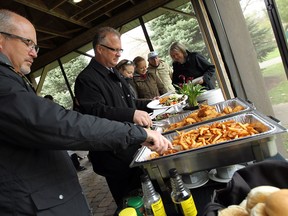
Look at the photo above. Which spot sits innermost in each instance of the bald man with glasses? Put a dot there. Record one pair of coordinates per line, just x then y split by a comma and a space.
37, 176
103, 92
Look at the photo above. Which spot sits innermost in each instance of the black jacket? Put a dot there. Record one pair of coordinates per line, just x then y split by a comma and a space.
106, 94
195, 66
36, 176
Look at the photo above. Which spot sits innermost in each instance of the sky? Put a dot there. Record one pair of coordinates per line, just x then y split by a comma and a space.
133, 44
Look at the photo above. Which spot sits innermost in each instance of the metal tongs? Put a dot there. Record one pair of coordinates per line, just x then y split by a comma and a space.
160, 123
158, 112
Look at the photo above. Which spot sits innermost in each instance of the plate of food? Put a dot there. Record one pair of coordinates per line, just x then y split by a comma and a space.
168, 101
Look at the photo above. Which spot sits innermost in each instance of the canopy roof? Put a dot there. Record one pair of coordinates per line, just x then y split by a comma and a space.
63, 26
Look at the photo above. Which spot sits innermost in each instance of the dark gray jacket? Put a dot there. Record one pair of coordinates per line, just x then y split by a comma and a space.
195, 66
36, 176
105, 94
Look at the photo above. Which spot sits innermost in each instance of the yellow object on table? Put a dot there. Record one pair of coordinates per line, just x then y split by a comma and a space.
128, 212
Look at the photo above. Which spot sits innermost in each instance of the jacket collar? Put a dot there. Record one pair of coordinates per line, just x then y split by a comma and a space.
104, 71
5, 61
99, 67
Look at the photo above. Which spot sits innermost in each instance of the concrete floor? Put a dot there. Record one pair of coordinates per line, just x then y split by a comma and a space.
95, 189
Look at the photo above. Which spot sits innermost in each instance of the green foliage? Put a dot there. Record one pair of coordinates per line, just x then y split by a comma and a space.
279, 93
273, 54
55, 84
170, 27
261, 38
285, 140
274, 70
283, 11
192, 91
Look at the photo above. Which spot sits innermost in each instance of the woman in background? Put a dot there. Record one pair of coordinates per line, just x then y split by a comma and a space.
126, 68
148, 85
191, 65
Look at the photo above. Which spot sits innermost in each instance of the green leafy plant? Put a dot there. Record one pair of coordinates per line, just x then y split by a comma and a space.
191, 90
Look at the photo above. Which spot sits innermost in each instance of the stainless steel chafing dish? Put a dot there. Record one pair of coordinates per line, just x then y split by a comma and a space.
250, 148
219, 108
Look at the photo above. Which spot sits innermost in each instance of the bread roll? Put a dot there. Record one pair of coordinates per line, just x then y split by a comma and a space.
259, 195
243, 203
277, 203
258, 210
234, 210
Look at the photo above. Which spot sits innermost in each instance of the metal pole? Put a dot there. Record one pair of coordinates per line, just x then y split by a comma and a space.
146, 33
278, 32
65, 78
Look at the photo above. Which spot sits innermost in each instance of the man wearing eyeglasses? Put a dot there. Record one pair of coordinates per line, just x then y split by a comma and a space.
37, 176
102, 91
22, 66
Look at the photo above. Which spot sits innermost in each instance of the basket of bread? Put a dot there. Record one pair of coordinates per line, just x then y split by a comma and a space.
260, 189
261, 201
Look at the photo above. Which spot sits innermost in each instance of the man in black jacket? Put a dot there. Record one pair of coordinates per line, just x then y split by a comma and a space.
103, 92
37, 176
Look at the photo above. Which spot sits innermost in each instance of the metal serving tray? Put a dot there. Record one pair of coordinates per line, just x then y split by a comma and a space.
219, 108
250, 148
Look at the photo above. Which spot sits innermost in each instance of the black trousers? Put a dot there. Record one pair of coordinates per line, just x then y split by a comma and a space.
75, 161
121, 179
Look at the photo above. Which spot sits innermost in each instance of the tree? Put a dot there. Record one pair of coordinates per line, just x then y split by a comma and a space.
170, 27
261, 38
283, 10
55, 84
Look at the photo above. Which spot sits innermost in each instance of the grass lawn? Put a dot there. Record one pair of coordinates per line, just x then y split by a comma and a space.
272, 55
285, 140
274, 70
279, 93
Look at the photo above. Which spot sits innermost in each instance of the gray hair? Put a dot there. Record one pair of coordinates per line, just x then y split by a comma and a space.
101, 34
177, 46
6, 21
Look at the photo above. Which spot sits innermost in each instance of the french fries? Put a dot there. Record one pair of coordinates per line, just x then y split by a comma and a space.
215, 133
204, 113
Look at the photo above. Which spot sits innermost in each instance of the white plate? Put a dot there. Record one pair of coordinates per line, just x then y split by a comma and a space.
166, 94
197, 179
196, 80
213, 175
155, 104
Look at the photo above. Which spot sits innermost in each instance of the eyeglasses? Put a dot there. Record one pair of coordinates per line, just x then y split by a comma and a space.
112, 49
29, 43
126, 62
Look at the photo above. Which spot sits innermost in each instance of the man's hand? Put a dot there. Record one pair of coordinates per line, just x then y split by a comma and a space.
142, 118
201, 81
156, 142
